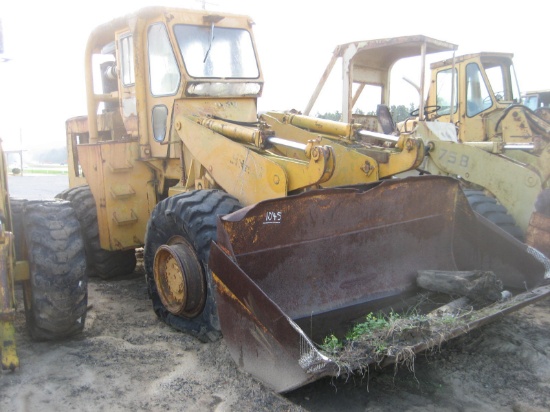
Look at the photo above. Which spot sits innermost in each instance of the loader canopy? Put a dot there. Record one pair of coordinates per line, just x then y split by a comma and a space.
292, 271
370, 62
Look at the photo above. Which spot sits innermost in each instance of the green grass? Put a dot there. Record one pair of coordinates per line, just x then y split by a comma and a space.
392, 336
42, 171
45, 172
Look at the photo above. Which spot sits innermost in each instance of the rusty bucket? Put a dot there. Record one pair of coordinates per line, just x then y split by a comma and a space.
291, 271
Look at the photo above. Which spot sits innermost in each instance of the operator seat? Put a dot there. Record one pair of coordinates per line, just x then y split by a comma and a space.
384, 118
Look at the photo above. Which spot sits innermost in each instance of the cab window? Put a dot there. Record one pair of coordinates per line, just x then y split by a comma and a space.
164, 74
126, 47
217, 52
478, 98
444, 90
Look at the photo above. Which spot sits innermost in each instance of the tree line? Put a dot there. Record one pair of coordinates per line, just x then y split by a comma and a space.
398, 113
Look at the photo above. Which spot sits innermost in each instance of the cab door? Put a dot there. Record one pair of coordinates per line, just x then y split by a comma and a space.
467, 96
476, 102
164, 83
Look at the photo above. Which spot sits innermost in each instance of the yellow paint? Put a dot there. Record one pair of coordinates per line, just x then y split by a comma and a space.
123, 189
10, 360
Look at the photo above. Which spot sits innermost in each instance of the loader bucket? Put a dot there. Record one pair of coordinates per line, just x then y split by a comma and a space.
291, 271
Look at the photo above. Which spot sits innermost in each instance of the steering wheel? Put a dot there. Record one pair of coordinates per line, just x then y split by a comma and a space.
427, 110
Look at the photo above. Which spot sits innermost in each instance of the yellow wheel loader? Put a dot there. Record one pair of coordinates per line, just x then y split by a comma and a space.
502, 146
42, 249
172, 139
474, 126
301, 214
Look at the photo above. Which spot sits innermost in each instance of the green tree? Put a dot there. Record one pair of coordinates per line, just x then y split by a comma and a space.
336, 116
400, 113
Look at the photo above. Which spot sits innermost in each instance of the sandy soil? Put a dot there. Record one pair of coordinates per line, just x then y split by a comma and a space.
127, 360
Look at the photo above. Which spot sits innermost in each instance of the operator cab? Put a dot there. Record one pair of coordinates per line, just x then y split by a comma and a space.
489, 79
537, 99
163, 55
476, 87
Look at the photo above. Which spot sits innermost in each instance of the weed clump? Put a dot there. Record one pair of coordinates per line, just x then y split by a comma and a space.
382, 339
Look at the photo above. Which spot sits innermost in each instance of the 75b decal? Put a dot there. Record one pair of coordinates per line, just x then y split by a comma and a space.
454, 158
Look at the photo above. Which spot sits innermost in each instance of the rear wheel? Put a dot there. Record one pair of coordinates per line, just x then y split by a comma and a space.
538, 231
56, 302
103, 263
17, 207
488, 207
177, 247
542, 204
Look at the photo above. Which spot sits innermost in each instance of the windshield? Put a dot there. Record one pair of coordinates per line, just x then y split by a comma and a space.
502, 78
478, 98
532, 102
217, 52
446, 87
537, 100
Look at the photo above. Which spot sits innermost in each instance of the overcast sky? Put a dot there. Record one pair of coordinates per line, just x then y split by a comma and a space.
43, 84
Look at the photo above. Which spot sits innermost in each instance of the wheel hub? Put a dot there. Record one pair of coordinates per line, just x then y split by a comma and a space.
179, 278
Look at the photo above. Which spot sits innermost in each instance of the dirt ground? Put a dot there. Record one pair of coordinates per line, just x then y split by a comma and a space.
127, 360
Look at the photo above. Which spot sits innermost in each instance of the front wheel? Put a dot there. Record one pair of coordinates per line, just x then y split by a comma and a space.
177, 247
488, 207
56, 302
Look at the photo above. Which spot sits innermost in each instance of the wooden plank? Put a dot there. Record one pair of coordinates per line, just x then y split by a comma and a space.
475, 284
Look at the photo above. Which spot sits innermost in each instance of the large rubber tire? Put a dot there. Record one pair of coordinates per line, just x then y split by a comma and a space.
193, 216
542, 204
103, 263
17, 208
56, 307
489, 208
